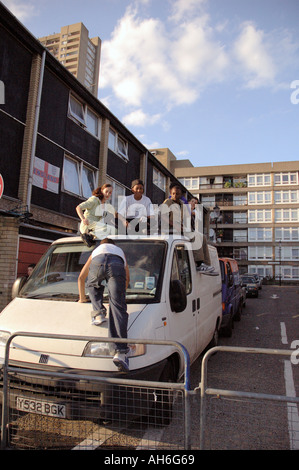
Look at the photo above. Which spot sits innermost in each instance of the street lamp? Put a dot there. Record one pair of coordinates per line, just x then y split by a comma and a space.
279, 250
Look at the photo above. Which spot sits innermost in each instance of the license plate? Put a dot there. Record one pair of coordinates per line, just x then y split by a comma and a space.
41, 407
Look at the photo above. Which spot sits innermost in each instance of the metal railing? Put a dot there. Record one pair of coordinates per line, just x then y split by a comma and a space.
142, 414
133, 415
245, 412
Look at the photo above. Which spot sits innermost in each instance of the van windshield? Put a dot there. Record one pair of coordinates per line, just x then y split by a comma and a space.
56, 275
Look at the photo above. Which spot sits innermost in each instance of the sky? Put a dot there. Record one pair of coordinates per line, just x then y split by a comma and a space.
215, 81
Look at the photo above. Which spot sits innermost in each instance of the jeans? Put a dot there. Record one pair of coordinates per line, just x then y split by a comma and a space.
110, 268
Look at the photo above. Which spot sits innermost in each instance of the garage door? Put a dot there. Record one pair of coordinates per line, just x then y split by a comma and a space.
30, 252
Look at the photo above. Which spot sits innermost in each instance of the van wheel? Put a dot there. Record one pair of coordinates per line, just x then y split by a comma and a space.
227, 331
214, 341
239, 312
161, 413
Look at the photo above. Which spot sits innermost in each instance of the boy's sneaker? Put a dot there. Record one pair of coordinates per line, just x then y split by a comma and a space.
98, 319
121, 361
88, 239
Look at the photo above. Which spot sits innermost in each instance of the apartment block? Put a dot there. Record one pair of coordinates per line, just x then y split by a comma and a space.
77, 52
254, 211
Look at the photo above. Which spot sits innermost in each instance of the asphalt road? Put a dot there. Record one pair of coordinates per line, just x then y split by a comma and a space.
270, 321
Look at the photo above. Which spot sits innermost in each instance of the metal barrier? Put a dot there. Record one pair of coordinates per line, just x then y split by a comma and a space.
62, 412
133, 416
231, 419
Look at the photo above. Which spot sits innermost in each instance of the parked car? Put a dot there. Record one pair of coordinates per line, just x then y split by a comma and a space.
232, 297
251, 285
258, 279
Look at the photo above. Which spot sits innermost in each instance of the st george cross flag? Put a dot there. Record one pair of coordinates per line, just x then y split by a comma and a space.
45, 175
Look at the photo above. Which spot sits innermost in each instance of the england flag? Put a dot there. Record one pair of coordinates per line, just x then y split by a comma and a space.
45, 175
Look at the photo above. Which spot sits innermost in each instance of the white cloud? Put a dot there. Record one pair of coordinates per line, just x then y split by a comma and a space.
146, 62
22, 9
156, 64
199, 58
182, 153
140, 119
253, 53
185, 9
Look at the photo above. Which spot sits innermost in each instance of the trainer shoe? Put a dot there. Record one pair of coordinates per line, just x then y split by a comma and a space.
98, 319
208, 270
121, 361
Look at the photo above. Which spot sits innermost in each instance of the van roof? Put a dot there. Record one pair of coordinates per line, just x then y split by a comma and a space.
233, 263
123, 237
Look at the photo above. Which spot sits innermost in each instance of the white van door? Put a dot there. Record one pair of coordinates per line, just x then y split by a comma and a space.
182, 324
209, 290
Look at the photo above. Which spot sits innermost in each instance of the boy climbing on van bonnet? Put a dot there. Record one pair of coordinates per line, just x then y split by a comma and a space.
108, 263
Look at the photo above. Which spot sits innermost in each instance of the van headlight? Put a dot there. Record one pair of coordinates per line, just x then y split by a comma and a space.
97, 349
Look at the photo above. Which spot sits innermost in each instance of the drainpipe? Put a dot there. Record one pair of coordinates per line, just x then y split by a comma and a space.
145, 172
34, 137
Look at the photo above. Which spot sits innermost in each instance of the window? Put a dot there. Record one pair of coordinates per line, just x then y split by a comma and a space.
240, 235
87, 181
190, 183
117, 144
259, 215
78, 178
287, 234
259, 234
240, 253
260, 252
240, 199
159, 179
240, 217
287, 253
264, 271
84, 116
119, 191
285, 197
181, 268
76, 110
262, 179
208, 201
261, 197
285, 178
122, 147
288, 272
286, 215
93, 123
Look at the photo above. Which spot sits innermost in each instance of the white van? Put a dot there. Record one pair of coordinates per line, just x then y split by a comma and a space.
167, 299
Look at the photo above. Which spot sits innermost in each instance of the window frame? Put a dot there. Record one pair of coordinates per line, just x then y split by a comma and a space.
79, 167
83, 121
159, 179
279, 178
176, 274
114, 145
253, 179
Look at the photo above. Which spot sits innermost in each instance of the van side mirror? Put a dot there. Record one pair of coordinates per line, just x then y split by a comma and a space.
17, 286
178, 296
